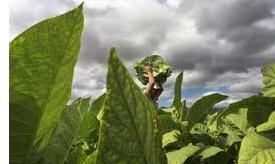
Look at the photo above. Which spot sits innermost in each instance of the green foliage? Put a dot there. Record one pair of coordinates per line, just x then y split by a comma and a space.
268, 72
166, 123
63, 136
214, 155
91, 158
201, 108
161, 70
181, 155
177, 92
122, 125
42, 61
171, 139
259, 109
232, 135
85, 142
269, 125
256, 149
267, 129
89, 126
128, 115
239, 119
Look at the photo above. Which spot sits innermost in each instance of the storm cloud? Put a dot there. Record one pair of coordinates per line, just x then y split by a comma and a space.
216, 42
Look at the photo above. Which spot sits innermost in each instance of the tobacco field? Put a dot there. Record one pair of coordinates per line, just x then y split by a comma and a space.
122, 126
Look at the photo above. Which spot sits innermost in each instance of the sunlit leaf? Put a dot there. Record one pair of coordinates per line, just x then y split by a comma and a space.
129, 132
42, 61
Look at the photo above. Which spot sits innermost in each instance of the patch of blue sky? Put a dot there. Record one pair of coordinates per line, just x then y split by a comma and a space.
193, 92
197, 91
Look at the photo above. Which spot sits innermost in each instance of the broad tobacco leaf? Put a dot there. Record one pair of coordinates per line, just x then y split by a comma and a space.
89, 126
128, 132
256, 149
239, 119
268, 72
85, 142
259, 109
63, 135
42, 61
201, 108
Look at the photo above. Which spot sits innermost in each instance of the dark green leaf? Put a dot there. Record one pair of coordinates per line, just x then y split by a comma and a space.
239, 119
63, 135
201, 108
214, 155
256, 149
259, 109
129, 132
42, 61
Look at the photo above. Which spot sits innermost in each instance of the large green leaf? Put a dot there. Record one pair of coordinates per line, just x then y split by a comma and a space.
24, 119
179, 156
129, 132
259, 109
177, 92
268, 72
239, 119
256, 149
85, 142
201, 108
64, 133
89, 125
42, 61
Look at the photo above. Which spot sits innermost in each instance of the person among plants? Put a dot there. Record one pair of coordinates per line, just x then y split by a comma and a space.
153, 89
152, 72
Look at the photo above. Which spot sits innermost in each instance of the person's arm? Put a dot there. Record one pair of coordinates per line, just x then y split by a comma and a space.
151, 83
151, 80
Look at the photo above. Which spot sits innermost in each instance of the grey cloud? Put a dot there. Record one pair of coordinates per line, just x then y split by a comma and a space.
135, 34
225, 16
227, 41
24, 14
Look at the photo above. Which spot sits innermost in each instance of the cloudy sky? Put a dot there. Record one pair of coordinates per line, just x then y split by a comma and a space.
221, 45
